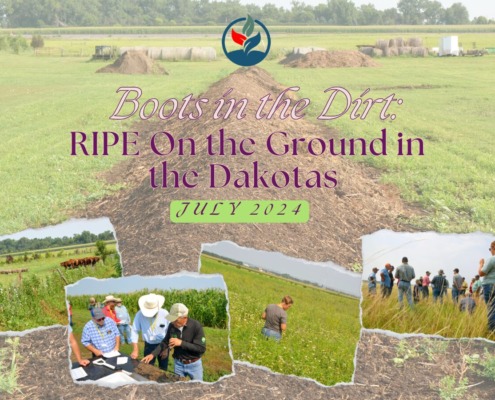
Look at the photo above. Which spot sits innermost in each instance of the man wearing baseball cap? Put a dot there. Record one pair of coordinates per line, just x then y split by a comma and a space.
100, 335
185, 335
151, 321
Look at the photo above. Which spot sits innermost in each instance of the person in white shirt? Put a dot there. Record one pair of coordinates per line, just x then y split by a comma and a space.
151, 321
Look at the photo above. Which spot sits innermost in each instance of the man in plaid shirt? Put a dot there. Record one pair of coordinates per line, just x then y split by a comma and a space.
100, 335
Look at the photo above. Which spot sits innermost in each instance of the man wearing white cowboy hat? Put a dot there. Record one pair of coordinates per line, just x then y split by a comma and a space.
151, 321
186, 336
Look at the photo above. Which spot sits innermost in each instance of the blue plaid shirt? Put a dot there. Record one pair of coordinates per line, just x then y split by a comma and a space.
101, 337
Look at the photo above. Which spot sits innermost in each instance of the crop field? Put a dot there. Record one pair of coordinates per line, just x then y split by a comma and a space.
208, 307
447, 103
322, 327
427, 317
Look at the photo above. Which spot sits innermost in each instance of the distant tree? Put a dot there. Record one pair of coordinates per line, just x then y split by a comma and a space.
343, 12
101, 250
433, 12
456, 14
369, 15
411, 11
480, 20
37, 42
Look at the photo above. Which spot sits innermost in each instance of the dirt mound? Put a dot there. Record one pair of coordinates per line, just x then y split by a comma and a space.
339, 217
133, 62
329, 59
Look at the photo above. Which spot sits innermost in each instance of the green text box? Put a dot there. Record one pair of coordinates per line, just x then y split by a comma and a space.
239, 211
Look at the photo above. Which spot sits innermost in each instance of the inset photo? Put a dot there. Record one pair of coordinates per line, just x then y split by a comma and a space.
431, 283
149, 329
289, 315
36, 265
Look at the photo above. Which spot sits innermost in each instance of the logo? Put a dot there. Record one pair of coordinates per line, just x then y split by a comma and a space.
243, 44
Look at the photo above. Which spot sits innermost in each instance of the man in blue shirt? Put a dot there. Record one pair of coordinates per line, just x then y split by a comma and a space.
125, 322
386, 283
100, 334
487, 271
372, 282
151, 321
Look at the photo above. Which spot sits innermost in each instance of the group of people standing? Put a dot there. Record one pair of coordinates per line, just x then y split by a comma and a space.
464, 294
161, 332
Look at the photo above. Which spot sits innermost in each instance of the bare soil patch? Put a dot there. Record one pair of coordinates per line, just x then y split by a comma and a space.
329, 59
150, 243
133, 62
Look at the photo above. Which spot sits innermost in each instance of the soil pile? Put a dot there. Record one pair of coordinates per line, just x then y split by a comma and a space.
151, 244
133, 62
329, 59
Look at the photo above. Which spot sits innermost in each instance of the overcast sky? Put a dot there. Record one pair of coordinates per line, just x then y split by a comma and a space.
476, 8
427, 251
68, 228
327, 274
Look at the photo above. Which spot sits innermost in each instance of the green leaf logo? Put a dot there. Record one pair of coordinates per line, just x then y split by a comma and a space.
248, 27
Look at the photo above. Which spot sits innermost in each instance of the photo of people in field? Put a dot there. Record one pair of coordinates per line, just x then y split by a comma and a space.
430, 283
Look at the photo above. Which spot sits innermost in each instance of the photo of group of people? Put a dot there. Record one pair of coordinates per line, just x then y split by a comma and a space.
458, 303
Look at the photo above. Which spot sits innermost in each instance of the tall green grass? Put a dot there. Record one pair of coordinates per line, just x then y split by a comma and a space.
9, 355
427, 317
40, 301
322, 328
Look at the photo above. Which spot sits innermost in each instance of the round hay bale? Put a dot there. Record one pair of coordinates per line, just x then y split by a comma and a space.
393, 51
154, 53
392, 43
381, 44
203, 54
366, 50
377, 52
405, 50
419, 51
399, 42
415, 42
176, 53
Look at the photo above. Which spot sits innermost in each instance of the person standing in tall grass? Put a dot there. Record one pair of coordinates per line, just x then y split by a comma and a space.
439, 284
405, 274
385, 282
487, 271
426, 284
372, 282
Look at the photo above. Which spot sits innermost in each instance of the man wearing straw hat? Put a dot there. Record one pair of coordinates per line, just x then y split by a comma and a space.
109, 309
151, 321
186, 336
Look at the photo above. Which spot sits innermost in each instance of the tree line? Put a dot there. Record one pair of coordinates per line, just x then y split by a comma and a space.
24, 244
61, 13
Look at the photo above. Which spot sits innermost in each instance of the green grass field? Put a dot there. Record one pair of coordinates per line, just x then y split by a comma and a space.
43, 266
447, 104
427, 317
322, 328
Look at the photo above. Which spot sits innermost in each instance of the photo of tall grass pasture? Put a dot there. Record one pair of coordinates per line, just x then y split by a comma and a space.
322, 327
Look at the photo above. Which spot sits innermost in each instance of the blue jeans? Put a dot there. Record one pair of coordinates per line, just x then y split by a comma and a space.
125, 332
455, 294
148, 349
436, 294
489, 295
405, 288
271, 334
193, 370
